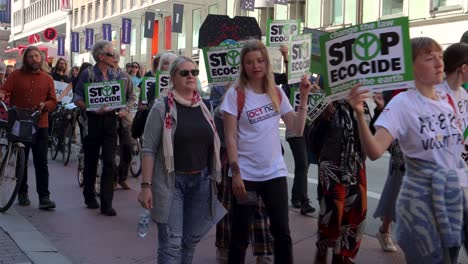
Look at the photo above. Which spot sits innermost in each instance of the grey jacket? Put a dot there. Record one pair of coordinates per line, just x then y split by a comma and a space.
163, 183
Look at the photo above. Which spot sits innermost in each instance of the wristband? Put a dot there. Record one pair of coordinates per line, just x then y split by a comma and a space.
303, 108
285, 61
145, 185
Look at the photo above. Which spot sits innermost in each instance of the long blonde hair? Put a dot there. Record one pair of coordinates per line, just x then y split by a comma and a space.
269, 80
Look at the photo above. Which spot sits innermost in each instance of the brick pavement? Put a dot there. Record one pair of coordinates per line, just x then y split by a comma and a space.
10, 253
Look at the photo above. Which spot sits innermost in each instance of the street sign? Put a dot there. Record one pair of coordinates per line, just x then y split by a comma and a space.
50, 33
34, 38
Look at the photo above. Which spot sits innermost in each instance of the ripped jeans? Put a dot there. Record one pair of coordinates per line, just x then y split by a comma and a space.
185, 226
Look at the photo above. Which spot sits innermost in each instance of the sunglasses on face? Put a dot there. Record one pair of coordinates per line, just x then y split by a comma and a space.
185, 73
109, 54
135, 66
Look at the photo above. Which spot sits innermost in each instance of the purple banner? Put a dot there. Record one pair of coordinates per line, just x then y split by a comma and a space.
75, 42
89, 38
126, 30
107, 32
60, 46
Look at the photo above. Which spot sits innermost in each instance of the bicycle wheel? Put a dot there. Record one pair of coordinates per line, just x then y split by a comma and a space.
55, 141
11, 175
80, 170
66, 144
97, 184
135, 164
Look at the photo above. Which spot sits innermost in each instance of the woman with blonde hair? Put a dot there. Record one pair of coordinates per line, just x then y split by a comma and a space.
254, 150
429, 206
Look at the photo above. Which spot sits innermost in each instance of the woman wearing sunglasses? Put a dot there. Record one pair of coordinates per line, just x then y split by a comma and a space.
180, 165
429, 206
135, 73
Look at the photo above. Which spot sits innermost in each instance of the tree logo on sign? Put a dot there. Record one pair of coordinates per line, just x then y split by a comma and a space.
366, 46
233, 58
107, 91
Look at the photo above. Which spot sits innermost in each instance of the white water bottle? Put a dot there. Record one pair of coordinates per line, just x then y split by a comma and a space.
143, 223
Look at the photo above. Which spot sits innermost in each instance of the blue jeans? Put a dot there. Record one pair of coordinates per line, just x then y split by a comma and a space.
187, 220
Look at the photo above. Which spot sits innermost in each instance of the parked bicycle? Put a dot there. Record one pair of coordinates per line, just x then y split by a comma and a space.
63, 131
21, 126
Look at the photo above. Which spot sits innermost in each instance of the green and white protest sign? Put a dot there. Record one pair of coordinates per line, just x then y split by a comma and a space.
313, 101
279, 32
162, 83
146, 84
59, 88
222, 63
315, 58
376, 54
110, 94
299, 57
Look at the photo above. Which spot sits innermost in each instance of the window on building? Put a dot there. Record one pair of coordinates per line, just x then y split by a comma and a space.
143, 41
196, 24
97, 10
342, 12
90, 12
114, 6
392, 7
297, 10
105, 7
441, 4
265, 14
133, 49
75, 16
213, 9
123, 4
82, 16
181, 39
337, 12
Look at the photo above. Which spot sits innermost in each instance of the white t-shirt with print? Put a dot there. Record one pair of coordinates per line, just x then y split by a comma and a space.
258, 139
426, 129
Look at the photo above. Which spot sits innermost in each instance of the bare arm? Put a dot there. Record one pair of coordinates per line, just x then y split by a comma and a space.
374, 145
230, 135
146, 196
295, 121
65, 92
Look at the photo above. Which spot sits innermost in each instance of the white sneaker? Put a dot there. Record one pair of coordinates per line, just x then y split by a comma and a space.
386, 242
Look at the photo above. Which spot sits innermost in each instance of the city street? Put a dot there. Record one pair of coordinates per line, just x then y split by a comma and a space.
84, 236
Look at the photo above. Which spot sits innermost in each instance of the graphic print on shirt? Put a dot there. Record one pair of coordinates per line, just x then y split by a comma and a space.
442, 130
261, 113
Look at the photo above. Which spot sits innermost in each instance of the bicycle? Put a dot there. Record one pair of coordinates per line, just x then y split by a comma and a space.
13, 162
135, 164
63, 131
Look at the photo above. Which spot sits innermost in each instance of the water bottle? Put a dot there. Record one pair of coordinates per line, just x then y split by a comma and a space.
143, 223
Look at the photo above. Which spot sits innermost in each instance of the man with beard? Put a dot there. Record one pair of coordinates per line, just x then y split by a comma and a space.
32, 88
59, 73
101, 129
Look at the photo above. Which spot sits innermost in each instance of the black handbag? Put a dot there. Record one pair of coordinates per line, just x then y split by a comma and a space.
22, 124
139, 122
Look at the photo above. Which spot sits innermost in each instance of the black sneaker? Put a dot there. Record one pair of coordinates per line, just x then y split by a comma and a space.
296, 203
92, 203
306, 208
46, 204
23, 199
108, 211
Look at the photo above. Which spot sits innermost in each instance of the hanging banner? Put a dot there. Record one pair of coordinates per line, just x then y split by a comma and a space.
110, 94
177, 17
222, 63
279, 32
149, 25
299, 57
107, 32
126, 30
89, 38
375, 54
75, 42
61, 46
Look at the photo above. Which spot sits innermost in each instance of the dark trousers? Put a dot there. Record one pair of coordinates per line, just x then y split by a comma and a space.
274, 194
102, 133
301, 168
39, 152
125, 151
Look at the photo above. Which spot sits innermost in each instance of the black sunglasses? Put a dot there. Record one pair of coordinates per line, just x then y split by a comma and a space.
185, 73
109, 54
135, 66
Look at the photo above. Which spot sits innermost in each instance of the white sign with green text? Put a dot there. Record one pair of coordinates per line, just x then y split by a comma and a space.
222, 63
160, 83
110, 94
375, 54
279, 32
299, 57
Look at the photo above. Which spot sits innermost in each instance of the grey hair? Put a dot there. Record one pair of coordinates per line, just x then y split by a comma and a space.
116, 55
166, 56
175, 66
98, 48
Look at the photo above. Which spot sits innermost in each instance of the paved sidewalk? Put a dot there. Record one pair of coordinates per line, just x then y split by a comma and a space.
9, 251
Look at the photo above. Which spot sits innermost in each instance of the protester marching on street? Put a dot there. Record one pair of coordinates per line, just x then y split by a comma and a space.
430, 232
59, 72
180, 166
33, 89
101, 132
264, 176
